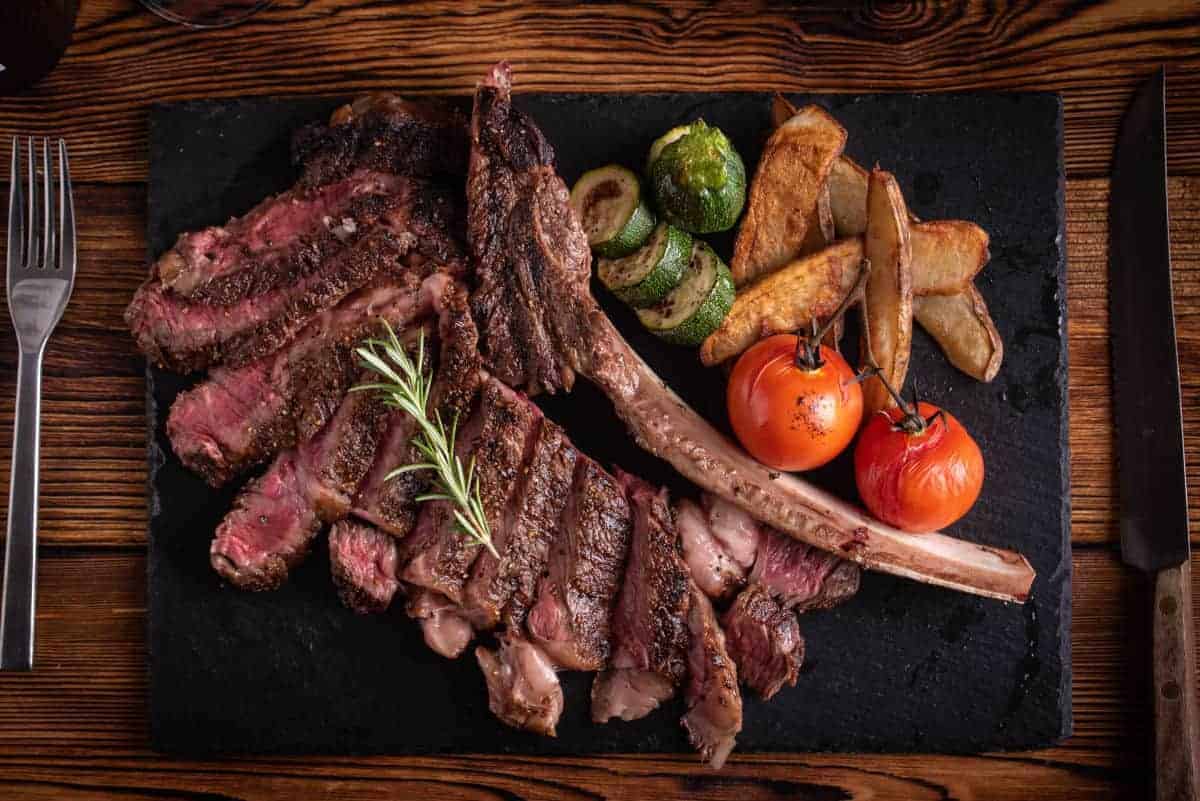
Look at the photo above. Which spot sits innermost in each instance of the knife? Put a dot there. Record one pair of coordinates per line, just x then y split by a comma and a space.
1153, 484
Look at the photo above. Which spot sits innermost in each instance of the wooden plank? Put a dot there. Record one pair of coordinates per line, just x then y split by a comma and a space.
94, 467
122, 58
76, 727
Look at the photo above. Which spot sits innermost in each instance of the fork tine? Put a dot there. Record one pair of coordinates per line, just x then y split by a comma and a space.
49, 222
31, 217
66, 213
16, 199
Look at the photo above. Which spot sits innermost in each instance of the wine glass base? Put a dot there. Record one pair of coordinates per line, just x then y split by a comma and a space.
206, 13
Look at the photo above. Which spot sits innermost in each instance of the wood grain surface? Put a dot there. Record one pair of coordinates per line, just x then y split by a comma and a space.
76, 727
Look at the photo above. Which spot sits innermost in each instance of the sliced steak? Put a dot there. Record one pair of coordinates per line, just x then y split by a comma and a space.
283, 237
710, 565
523, 689
764, 640
737, 532
531, 255
276, 516
797, 573
391, 503
443, 624
498, 438
363, 563
507, 584
649, 624
184, 335
238, 417
383, 132
570, 620
714, 704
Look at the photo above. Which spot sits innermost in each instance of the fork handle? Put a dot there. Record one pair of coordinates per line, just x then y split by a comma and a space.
20, 552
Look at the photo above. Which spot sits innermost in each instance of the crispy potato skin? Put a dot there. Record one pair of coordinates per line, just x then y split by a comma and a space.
964, 330
786, 300
947, 255
785, 193
887, 308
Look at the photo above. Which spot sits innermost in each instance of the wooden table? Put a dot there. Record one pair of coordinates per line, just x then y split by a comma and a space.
76, 727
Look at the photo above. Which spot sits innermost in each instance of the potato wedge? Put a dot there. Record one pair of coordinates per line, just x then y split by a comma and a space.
820, 232
786, 300
964, 330
848, 197
947, 255
785, 191
887, 310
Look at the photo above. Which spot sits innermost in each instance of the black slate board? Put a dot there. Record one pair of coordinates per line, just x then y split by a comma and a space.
903, 667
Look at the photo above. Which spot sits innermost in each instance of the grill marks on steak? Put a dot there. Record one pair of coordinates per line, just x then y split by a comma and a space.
184, 334
283, 237
384, 132
714, 704
764, 641
531, 255
649, 624
240, 416
570, 620
498, 437
390, 503
507, 584
276, 516
362, 561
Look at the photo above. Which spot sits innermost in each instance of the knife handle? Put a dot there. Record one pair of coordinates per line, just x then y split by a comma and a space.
1177, 731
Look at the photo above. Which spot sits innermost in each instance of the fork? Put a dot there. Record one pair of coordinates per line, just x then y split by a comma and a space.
41, 275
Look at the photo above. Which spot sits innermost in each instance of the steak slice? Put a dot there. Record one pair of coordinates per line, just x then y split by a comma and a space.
523, 689
570, 620
383, 132
240, 416
443, 624
362, 560
391, 504
798, 574
507, 584
649, 624
275, 517
710, 565
182, 334
497, 438
532, 259
764, 641
283, 237
714, 704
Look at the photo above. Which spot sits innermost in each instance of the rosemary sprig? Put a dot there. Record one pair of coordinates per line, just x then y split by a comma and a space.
406, 384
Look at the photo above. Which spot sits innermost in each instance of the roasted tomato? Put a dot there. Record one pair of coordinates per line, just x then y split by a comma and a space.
917, 472
789, 414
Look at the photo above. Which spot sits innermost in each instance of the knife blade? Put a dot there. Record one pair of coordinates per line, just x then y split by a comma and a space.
1153, 484
1149, 426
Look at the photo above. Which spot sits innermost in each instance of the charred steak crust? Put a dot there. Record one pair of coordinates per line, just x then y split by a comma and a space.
764, 641
240, 416
184, 335
650, 621
275, 517
507, 585
383, 132
570, 619
532, 259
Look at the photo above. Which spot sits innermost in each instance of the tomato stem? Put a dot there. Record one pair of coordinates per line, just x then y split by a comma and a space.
911, 421
808, 347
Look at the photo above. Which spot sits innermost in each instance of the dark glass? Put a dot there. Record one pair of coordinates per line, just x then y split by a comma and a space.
205, 13
33, 36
